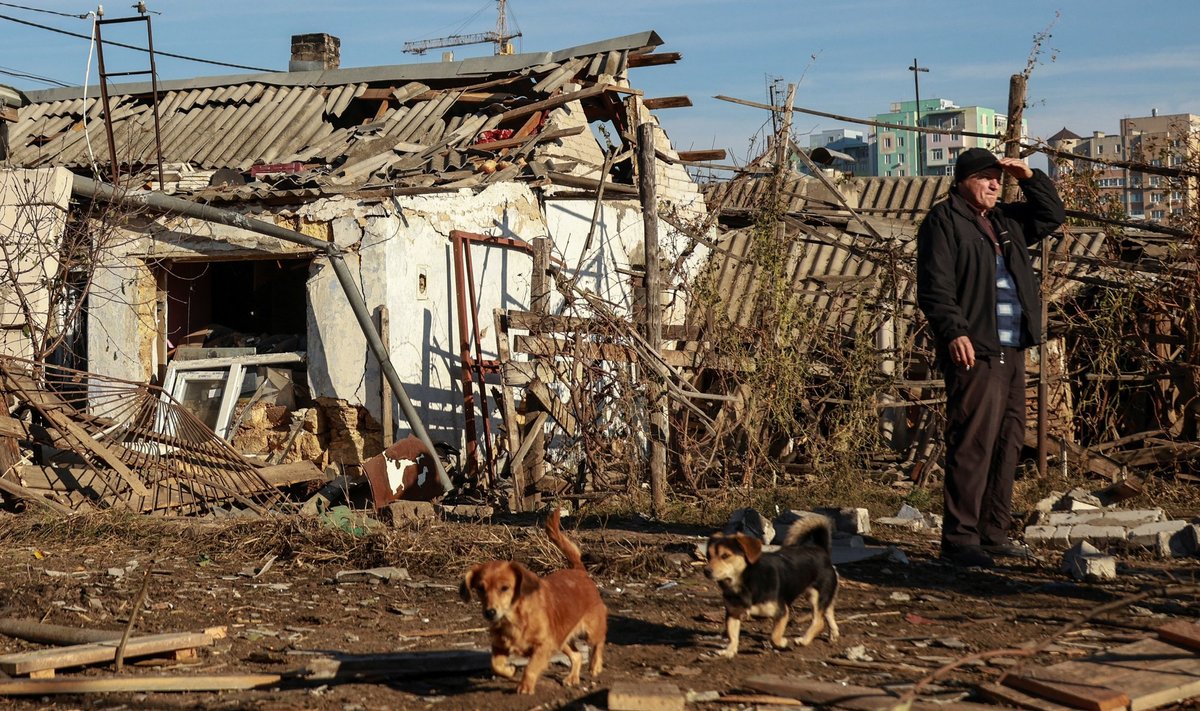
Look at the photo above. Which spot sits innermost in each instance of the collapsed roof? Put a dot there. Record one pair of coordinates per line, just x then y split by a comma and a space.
425, 125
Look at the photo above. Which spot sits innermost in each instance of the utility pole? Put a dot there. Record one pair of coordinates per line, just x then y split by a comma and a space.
916, 69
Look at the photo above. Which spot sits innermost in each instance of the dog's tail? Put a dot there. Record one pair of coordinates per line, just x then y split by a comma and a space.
815, 529
569, 549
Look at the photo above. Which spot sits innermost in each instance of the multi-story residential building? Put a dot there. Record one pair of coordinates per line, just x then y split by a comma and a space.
899, 152
1171, 140
847, 149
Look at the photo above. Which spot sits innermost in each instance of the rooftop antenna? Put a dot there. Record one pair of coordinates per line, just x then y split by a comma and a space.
500, 37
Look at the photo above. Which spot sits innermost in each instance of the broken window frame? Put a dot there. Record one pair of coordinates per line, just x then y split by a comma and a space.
232, 372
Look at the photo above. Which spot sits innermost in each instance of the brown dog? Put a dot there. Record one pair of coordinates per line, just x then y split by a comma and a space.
536, 617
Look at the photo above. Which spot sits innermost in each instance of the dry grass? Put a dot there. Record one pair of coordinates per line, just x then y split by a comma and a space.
435, 548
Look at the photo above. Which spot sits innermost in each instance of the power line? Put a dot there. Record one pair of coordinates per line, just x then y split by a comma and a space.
26, 75
130, 46
48, 12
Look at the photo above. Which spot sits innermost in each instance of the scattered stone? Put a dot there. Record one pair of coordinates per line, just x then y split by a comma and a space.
1085, 562
1080, 499
703, 697
854, 521
389, 574
912, 524
900, 597
751, 523
858, 653
896, 555
410, 511
468, 511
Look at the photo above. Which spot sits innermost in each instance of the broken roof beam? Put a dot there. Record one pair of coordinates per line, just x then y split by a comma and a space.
667, 102
649, 60
556, 101
515, 141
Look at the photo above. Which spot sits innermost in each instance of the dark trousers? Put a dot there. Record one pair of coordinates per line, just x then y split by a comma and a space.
985, 430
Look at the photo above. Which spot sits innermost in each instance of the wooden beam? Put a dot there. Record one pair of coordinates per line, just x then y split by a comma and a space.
8, 113
651, 60
555, 102
691, 156
1090, 696
294, 473
576, 181
97, 652
667, 102
144, 684
15, 489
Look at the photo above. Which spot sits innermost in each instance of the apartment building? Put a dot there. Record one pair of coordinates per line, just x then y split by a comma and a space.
898, 152
1169, 140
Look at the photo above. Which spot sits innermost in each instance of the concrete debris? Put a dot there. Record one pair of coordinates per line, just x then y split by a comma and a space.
1085, 562
1111, 529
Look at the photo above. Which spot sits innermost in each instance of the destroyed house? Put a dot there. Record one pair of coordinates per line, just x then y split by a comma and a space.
396, 165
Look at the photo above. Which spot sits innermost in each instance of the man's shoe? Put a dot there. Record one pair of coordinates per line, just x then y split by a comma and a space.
968, 556
1007, 549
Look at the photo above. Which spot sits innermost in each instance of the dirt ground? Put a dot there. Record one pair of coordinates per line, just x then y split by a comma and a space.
274, 588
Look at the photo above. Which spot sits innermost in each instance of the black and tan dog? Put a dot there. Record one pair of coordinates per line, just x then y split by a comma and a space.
758, 584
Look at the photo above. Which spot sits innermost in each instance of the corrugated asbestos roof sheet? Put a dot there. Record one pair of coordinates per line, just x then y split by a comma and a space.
835, 260
410, 131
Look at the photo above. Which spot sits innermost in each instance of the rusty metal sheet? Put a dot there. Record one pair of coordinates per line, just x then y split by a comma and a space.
404, 470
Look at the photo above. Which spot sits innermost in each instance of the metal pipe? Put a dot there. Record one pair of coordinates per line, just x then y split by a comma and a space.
159, 202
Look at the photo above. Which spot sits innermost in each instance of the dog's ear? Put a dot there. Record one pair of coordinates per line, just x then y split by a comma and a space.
464, 588
527, 581
751, 546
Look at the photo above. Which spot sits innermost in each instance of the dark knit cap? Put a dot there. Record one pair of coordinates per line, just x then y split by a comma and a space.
973, 160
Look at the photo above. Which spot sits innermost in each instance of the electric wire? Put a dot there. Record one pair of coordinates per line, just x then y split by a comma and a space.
140, 49
84, 16
9, 71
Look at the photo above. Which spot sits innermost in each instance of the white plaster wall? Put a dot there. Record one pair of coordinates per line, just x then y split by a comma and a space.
403, 239
33, 209
113, 322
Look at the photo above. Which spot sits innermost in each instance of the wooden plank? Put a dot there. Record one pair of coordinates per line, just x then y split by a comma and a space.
45, 633
14, 489
146, 684
63, 422
1181, 632
549, 347
555, 101
1150, 672
293, 473
694, 156
1017, 699
651, 60
1081, 695
98, 652
559, 411
814, 691
508, 412
667, 102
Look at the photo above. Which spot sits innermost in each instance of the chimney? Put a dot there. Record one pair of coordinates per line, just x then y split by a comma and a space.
1153, 113
315, 52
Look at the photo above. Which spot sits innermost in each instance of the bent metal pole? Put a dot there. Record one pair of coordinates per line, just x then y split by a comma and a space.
168, 204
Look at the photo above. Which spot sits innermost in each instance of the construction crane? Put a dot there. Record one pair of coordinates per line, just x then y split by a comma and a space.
499, 37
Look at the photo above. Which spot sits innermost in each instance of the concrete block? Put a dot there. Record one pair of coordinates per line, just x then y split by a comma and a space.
1106, 517
1166, 539
1101, 536
751, 523
1084, 562
914, 524
1039, 535
645, 696
855, 521
410, 511
470, 511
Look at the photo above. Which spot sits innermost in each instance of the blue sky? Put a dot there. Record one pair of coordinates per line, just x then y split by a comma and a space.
1103, 60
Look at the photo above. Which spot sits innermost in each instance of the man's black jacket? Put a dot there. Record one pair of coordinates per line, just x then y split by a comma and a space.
956, 265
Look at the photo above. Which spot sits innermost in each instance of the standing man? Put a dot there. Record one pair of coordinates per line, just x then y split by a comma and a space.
976, 286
